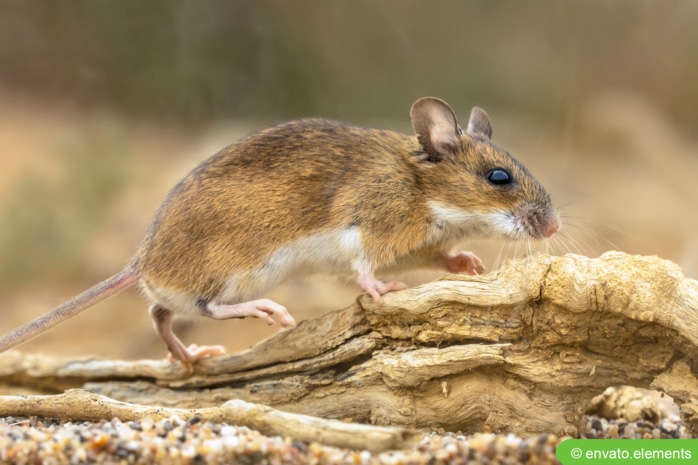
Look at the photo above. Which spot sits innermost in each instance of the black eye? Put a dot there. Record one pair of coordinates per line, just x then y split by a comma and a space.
499, 177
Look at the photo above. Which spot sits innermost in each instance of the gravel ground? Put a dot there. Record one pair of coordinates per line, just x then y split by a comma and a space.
173, 441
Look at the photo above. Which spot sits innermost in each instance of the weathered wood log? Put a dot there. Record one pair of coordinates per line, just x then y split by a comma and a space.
522, 349
86, 406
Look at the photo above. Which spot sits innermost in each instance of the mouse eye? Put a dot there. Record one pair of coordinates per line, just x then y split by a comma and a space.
499, 177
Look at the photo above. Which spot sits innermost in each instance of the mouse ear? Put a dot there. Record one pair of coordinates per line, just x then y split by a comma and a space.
435, 124
479, 123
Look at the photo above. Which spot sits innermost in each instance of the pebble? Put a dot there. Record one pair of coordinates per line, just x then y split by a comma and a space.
173, 441
670, 428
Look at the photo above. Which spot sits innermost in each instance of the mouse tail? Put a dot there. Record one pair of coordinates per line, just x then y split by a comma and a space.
77, 304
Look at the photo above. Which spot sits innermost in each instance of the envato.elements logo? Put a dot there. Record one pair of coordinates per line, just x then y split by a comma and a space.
627, 451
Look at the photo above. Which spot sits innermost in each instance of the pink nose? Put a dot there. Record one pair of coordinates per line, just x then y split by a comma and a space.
552, 226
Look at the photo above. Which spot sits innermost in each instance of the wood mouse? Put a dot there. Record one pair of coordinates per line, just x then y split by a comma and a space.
318, 196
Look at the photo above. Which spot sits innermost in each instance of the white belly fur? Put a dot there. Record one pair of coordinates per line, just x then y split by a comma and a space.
330, 252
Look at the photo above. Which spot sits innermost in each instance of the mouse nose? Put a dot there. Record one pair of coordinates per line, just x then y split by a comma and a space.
552, 225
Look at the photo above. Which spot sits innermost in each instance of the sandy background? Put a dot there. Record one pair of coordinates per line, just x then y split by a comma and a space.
81, 178
622, 178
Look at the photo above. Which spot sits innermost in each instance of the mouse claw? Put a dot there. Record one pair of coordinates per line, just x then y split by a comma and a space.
264, 309
463, 262
287, 321
194, 353
376, 288
284, 317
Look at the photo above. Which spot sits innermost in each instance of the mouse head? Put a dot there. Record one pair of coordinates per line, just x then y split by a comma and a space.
473, 186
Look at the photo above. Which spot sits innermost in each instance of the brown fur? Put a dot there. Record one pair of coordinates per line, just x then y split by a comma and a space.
227, 217
303, 177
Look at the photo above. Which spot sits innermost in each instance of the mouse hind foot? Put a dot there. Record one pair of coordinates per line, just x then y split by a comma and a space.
376, 288
192, 354
163, 318
188, 356
262, 308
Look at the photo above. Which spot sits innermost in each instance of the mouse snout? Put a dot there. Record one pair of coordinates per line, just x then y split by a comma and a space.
551, 225
538, 222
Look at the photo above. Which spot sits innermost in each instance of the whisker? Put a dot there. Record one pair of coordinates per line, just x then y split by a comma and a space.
552, 245
516, 248
498, 260
518, 244
563, 244
572, 244
594, 235
565, 241
605, 224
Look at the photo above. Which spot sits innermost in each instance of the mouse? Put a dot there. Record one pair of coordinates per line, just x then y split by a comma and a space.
319, 196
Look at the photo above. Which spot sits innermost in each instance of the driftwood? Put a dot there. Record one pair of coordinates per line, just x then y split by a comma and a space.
87, 406
522, 349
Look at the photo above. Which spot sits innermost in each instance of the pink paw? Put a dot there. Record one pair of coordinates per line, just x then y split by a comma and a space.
377, 288
265, 309
194, 353
464, 262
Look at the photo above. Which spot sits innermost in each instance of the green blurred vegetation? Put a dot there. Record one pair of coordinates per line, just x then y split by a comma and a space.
47, 220
188, 61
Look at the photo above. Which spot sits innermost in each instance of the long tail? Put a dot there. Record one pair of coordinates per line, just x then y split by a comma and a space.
77, 304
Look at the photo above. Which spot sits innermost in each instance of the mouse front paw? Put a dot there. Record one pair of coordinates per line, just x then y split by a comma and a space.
463, 262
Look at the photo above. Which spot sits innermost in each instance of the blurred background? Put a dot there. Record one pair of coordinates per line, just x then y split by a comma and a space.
105, 105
